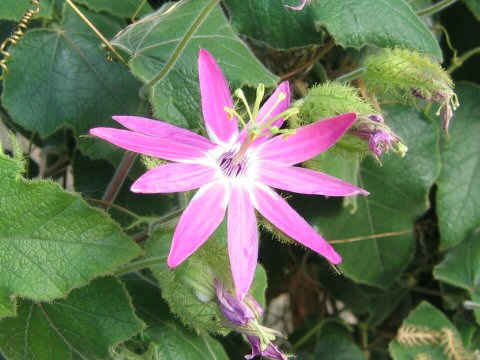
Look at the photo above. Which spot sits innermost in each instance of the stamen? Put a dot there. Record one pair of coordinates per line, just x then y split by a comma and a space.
285, 115
258, 100
239, 94
281, 96
232, 112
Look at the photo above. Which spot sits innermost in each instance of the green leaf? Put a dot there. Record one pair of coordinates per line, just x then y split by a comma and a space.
122, 8
427, 319
458, 196
83, 326
164, 50
474, 6
387, 23
399, 195
461, 268
174, 342
335, 342
66, 78
271, 22
165, 338
14, 10
51, 241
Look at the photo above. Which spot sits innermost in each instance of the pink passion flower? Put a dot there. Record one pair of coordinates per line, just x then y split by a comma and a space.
235, 170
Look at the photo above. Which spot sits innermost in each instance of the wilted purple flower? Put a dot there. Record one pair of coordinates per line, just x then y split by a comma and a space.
448, 102
379, 136
271, 351
234, 310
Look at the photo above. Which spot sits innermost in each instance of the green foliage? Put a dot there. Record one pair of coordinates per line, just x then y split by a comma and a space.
82, 326
68, 82
335, 343
399, 195
163, 50
427, 331
474, 6
51, 241
461, 268
458, 195
13, 10
122, 8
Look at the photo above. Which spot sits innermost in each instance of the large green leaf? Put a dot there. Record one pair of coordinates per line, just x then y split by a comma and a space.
83, 326
426, 319
164, 50
270, 21
13, 10
474, 6
335, 343
51, 241
386, 23
399, 195
461, 268
66, 78
123, 8
458, 196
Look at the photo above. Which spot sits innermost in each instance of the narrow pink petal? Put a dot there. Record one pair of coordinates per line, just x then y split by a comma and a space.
309, 141
175, 177
154, 146
215, 96
242, 239
165, 130
279, 213
199, 220
268, 111
304, 181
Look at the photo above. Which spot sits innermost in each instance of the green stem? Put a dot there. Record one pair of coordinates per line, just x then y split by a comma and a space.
439, 6
118, 178
181, 45
352, 75
140, 265
308, 335
115, 206
456, 63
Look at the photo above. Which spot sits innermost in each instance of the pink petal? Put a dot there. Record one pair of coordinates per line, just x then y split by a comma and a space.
199, 220
309, 141
165, 130
175, 177
266, 113
242, 239
154, 146
304, 181
215, 96
279, 213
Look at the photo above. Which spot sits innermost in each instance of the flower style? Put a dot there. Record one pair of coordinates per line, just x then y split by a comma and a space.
235, 169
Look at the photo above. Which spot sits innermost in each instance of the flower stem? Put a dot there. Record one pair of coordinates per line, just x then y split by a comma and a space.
140, 265
457, 62
118, 178
181, 46
375, 236
352, 75
439, 6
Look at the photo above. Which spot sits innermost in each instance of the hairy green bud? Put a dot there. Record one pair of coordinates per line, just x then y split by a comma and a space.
330, 99
410, 76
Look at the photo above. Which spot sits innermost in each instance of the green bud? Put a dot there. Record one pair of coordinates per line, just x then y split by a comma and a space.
330, 99
151, 162
410, 76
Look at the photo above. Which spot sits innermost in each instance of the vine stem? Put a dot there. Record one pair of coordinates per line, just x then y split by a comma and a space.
181, 45
375, 236
115, 206
352, 75
95, 30
118, 178
439, 6
140, 265
457, 62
